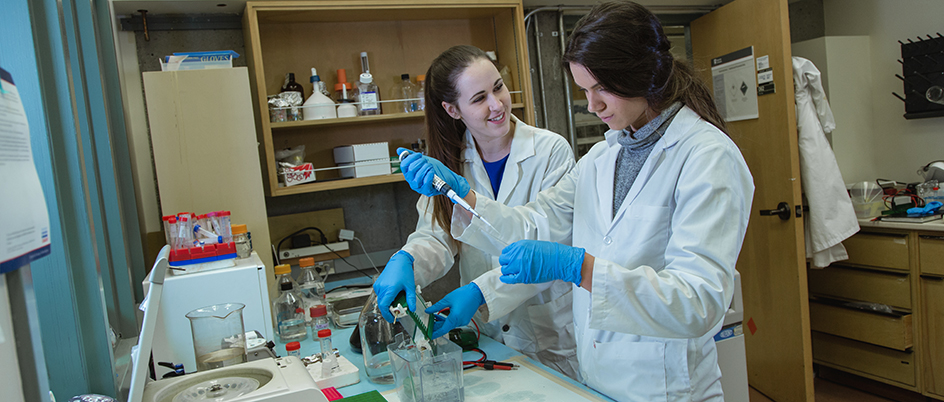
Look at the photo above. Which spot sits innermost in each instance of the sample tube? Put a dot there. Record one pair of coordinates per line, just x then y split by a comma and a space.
167, 229
225, 226
172, 233
184, 232
329, 363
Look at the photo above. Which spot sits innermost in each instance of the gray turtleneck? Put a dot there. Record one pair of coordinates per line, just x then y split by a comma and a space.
636, 148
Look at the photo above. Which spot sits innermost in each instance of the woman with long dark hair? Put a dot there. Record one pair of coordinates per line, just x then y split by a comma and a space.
647, 226
470, 129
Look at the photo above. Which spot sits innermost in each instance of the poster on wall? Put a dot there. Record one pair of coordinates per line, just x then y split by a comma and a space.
735, 86
24, 220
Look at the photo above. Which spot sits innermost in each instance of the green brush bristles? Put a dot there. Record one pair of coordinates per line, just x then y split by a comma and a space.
425, 328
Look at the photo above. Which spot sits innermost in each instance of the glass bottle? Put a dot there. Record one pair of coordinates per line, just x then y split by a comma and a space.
291, 85
319, 319
241, 240
368, 93
310, 285
294, 349
406, 91
287, 308
376, 333
421, 92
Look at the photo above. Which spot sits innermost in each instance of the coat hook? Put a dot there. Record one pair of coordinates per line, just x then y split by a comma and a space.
899, 97
929, 36
144, 20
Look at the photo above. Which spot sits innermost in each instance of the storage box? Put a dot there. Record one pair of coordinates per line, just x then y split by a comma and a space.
303, 173
363, 160
198, 60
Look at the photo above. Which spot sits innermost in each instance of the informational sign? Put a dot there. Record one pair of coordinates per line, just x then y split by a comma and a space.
735, 85
24, 221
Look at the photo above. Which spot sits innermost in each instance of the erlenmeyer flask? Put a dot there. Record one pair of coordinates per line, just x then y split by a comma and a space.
376, 334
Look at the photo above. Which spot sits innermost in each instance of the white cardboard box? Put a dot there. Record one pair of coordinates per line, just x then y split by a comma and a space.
363, 160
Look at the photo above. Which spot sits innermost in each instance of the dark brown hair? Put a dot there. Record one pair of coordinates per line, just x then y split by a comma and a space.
623, 46
444, 134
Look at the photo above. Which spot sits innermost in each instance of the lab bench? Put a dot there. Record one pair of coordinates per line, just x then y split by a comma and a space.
880, 313
496, 351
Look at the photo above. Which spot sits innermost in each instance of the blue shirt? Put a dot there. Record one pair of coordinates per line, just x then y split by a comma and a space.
495, 171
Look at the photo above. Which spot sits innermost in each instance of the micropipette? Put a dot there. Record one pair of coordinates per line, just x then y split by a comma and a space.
440, 185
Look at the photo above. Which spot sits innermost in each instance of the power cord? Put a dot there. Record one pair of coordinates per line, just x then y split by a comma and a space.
368, 255
324, 242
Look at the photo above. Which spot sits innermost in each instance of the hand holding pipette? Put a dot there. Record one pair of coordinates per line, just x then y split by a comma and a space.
430, 177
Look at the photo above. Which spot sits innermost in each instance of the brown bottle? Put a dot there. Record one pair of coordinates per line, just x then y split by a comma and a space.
291, 85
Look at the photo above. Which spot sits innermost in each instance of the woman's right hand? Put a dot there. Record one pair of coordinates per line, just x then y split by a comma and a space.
418, 170
396, 277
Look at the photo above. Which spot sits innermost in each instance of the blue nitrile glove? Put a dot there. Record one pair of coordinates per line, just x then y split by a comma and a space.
928, 209
418, 170
532, 261
462, 304
397, 276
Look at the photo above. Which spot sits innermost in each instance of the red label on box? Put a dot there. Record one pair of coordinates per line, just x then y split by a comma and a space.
303, 173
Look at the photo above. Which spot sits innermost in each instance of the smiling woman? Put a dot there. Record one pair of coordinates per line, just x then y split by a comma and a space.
470, 129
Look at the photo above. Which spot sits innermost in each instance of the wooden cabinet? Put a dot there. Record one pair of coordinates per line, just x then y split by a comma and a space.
399, 37
861, 310
901, 268
932, 300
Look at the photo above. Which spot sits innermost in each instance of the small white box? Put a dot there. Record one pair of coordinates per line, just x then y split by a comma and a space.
363, 160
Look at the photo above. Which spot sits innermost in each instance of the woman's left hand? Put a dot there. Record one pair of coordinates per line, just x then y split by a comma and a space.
532, 261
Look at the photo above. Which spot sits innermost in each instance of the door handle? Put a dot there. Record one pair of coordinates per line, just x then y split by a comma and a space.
783, 211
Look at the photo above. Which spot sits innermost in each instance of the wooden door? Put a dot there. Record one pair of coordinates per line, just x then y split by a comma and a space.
772, 262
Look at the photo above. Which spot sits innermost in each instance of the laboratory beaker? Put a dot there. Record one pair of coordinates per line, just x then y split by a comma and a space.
218, 335
427, 373
376, 334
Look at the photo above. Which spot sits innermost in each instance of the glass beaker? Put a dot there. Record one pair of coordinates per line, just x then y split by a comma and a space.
427, 373
376, 334
219, 338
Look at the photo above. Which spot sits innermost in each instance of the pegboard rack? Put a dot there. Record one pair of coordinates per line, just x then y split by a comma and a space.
922, 67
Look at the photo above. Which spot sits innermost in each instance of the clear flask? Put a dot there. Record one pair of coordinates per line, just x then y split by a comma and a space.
310, 285
376, 333
406, 91
290, 322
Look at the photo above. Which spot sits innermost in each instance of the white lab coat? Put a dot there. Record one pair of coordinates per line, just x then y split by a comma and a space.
539, 323
831, 218
663, 274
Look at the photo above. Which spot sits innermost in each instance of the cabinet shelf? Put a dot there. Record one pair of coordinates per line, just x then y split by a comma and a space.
367, 120
401, 38
338, 184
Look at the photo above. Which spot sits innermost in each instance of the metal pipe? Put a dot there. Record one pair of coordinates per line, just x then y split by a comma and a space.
537, 50
568, 102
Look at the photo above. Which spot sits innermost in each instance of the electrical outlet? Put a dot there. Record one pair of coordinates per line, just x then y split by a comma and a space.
324, 267
345, 234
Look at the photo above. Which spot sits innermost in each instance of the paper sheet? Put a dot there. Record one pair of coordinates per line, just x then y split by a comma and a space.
527, 383
735, 86
24, 221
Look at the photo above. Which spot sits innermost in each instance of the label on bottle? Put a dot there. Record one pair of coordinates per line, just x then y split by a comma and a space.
369, 101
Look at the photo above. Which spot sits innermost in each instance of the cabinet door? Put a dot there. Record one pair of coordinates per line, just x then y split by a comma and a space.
932, 290
931, 254
773, 259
